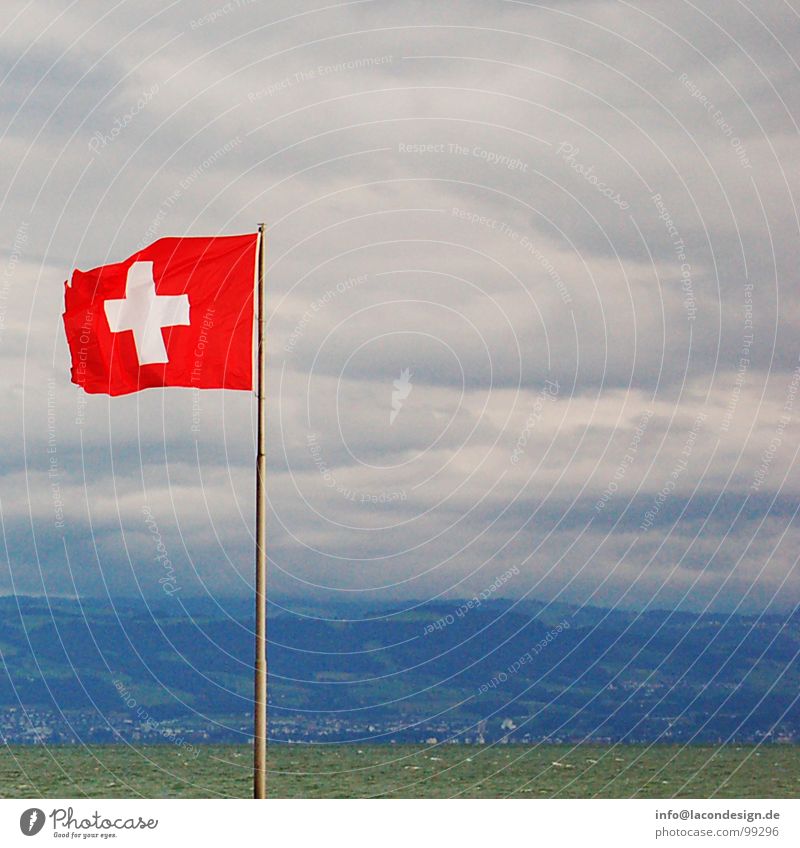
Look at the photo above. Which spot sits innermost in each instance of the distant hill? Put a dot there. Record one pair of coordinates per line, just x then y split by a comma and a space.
86, 670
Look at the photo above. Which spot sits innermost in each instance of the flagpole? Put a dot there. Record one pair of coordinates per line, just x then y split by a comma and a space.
260, 693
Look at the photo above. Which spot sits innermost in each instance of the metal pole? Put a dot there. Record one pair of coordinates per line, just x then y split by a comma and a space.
260, 695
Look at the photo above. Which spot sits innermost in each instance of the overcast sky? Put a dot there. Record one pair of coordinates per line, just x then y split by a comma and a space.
564, 235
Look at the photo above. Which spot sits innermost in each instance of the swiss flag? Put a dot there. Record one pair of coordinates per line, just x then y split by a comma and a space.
177, 313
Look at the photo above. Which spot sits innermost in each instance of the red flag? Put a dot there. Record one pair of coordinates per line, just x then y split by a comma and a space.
177, 313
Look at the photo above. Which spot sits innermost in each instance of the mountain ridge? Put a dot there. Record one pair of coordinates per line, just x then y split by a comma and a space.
521, 671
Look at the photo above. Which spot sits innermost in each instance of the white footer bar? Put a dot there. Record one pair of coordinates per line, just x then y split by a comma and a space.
401, 823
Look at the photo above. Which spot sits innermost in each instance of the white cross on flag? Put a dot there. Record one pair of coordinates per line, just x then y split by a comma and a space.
177, 313
146, 313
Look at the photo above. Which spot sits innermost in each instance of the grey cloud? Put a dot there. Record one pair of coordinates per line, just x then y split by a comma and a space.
297, 116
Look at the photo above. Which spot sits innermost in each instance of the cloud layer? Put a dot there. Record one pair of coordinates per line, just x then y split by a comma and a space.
574, 229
